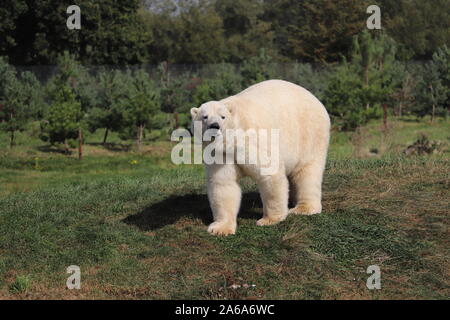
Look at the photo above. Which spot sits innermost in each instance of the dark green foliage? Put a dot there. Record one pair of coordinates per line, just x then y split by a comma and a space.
305, 75
199, 36
133, 32
358, 89
225, 81
175, 93
36, 32
420, 26
107, 113
432, 85
140, 102
63, 118
442, 60
71, 73
10, 11
315, 30
141, 99
257, 69
345, 98
245, 30
159, 121
370, 82
70, 94
431, 94
20, 99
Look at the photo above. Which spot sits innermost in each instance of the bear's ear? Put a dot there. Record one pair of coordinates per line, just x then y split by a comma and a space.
194, 113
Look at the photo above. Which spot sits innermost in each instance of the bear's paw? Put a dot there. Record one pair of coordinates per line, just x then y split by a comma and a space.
221, 229
305, 209
267, 222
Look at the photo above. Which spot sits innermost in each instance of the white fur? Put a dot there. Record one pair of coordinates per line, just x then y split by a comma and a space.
304, 137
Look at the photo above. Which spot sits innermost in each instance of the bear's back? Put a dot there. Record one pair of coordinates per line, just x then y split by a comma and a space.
276, 104
280, 96
279, 100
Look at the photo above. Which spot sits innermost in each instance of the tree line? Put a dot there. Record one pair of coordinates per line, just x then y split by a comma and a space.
139, 101
213, 31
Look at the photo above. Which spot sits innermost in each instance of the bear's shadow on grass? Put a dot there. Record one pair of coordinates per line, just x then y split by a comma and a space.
193, 206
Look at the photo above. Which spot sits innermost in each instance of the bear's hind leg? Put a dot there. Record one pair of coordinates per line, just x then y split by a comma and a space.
274, 192
224, 195
307, 181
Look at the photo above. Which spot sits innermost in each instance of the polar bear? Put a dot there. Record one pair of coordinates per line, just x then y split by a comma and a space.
304, 133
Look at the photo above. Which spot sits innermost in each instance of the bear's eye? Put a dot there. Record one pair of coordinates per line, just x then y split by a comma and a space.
205, 117
223, 117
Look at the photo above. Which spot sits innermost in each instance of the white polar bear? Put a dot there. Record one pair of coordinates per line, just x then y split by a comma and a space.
304, 132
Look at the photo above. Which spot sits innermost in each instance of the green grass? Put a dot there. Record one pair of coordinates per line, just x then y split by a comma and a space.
138, 231
20, 285
399, 135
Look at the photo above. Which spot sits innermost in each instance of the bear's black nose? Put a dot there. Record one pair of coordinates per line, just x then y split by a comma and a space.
215, 125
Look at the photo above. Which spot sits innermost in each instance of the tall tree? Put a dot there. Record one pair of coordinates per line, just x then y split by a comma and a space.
106, 113
223, 82
361, 89
199, 37
441, 58
62, 121
374, 54
111, 32
315, 30
175, 96
244, 29
20, 99
140, 103
70, 95
421, 26
433, 85
10, 11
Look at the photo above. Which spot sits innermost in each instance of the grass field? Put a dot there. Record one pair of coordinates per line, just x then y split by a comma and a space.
136, 225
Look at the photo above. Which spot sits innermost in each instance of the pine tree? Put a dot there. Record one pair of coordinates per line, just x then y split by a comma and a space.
106, 112
140, 103
63, 118
20, 99
70, 94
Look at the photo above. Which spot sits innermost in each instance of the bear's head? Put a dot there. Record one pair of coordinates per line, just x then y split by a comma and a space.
215, 116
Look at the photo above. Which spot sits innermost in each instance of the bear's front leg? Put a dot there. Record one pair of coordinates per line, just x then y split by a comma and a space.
224, 194
274, 192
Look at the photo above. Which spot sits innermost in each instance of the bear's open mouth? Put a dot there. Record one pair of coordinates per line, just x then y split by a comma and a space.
215, 132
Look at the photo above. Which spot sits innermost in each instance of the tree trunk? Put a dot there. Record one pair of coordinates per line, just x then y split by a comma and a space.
105, 137
139, 137
177, 120
80, 144
400, 107
433, 110
366, 81
366, 76
433, 113
66, 147
385, 116
11, 143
